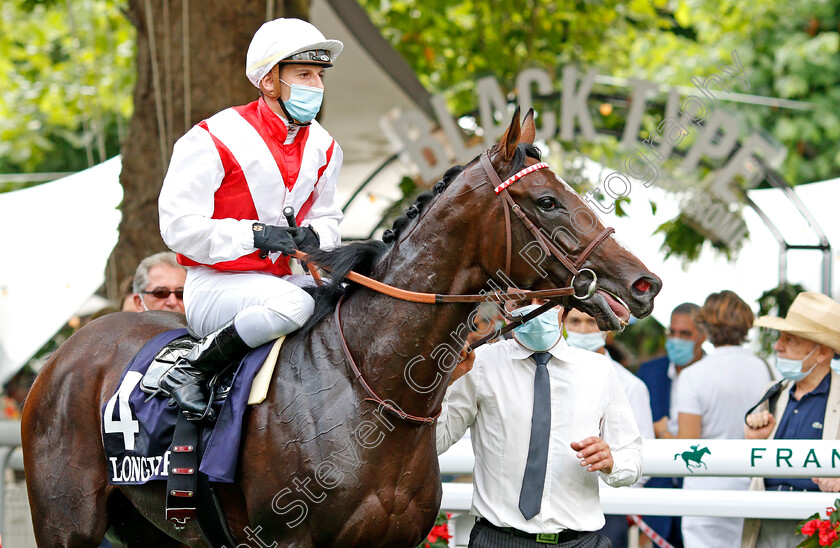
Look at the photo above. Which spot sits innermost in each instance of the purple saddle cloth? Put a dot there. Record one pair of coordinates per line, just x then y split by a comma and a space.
138, 434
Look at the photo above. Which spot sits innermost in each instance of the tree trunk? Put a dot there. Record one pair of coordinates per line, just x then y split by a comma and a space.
219, 34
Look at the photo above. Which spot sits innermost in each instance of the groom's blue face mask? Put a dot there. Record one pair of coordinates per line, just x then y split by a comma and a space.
538, 334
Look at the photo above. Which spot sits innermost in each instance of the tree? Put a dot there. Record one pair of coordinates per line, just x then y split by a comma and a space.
67, 73
218, 36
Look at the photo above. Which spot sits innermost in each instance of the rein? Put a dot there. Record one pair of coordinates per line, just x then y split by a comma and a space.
437, 298
547, 245
357, 373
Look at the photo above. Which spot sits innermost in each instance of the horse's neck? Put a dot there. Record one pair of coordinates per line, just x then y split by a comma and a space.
404, 349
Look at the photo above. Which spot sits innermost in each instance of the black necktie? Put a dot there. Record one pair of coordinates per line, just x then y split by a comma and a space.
533, 481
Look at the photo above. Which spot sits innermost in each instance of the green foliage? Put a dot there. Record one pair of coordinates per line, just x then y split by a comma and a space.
644, 340
775, 301
68, 77
681, 239
788, 49
450, 44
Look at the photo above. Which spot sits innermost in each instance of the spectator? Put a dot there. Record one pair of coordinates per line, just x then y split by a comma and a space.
714, 394
583, 333
662, 376
159, 283
127, 303
523, 400
805, 404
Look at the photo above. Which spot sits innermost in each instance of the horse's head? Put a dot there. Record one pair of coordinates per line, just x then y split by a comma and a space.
624, 284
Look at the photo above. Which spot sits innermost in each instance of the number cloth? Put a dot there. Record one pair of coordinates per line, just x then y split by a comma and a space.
137, 433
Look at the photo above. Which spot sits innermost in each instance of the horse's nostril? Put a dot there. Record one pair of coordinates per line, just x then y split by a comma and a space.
642, 285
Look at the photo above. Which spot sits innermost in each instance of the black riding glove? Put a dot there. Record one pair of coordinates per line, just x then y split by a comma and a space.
273, 238
304, 237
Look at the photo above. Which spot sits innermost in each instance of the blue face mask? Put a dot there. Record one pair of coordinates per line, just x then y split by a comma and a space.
304, 102
586, 341
792, 369
540, 333
680, 351
835, 365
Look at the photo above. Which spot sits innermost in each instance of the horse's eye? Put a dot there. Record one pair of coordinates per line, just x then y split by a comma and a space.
547, 204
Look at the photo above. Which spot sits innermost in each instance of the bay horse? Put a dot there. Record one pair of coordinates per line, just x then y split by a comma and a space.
320, 465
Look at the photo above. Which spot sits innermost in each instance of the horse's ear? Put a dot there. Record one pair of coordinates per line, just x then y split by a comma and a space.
507, 144
529, 130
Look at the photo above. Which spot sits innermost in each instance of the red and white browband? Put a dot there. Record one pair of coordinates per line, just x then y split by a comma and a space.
519, 174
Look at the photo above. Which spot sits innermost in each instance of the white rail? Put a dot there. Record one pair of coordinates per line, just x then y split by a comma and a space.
457, 497
744, 458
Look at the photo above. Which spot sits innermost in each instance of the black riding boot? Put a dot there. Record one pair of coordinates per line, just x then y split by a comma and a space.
185, 382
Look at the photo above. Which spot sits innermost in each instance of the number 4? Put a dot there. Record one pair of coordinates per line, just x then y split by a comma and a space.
127, 425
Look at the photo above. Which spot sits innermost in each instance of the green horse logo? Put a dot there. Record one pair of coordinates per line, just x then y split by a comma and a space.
693, 458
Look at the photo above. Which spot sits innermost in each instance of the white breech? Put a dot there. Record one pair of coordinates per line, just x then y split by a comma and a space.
263, 306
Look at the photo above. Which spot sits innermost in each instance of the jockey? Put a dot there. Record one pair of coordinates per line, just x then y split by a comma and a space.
222, 201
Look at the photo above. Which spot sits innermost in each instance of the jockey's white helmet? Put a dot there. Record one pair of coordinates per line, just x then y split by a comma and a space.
291, 41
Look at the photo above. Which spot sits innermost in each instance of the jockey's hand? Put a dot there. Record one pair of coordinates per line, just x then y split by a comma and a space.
595, 454
273, 238
305, 237
759, 425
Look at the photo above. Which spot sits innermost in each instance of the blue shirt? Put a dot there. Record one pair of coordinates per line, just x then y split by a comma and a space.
655, 375
803, 420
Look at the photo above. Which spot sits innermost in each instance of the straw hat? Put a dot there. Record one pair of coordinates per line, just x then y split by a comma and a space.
812, 316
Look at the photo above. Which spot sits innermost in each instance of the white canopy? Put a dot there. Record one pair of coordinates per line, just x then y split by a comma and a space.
57, 238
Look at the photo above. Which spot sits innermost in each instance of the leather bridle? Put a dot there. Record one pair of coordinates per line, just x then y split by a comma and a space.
548, 246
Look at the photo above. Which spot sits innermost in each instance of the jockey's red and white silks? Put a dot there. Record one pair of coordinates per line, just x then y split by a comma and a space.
234, 169
519, 174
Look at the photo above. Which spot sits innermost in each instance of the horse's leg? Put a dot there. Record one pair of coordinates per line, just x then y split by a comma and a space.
66, 472
64, 458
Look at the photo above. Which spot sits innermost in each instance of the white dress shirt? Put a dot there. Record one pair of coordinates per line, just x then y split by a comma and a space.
495, 400
638, 396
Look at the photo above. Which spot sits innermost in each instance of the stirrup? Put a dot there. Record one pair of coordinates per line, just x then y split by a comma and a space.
197, 381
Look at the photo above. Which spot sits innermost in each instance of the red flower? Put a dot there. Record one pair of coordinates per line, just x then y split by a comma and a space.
811, 527
439, 531
827, 537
